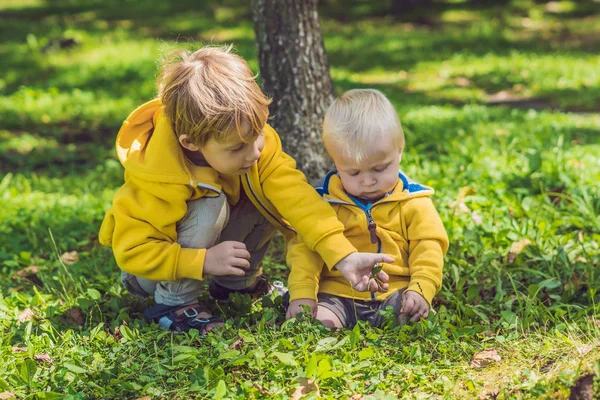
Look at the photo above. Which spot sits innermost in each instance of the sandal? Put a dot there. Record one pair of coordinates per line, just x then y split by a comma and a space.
169, 318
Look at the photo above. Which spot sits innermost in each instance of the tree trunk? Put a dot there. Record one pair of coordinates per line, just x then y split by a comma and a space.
295, 73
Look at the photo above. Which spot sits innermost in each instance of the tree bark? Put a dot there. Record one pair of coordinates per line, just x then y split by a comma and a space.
295, 74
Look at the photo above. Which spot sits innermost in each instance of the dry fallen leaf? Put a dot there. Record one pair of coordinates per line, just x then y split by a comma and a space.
145, 398
485, 358
31, 270
74, 316
30, 273
19, 349
43, 357
26, 315
305, 387
489, 394
516, 248
70, 257
7, 395
261, 389
237, 344
461, 81
460, 206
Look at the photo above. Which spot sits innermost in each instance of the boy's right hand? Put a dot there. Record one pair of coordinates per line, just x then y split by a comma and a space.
296, 307
357, 268
227, 258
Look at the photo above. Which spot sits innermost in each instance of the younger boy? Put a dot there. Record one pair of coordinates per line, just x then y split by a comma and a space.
206, 185
382, 211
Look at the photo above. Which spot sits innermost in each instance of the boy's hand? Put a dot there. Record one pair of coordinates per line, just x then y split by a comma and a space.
227, 258
414, 307
296, 308
357, 267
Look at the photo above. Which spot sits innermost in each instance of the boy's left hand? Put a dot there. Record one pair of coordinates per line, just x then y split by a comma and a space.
357, 267
414, 307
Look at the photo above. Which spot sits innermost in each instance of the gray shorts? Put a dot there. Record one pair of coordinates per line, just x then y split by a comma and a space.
349, 310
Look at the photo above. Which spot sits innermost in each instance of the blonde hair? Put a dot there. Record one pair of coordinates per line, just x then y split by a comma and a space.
209, 92
358, 118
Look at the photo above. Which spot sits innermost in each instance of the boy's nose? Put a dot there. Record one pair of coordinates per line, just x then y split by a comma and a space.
368, 181
256, 149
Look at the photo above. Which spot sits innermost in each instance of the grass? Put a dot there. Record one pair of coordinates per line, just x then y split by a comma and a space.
504, 176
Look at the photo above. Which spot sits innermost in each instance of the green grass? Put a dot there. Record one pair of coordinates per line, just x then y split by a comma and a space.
502, 174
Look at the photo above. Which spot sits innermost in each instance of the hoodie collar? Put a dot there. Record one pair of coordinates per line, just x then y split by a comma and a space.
331, 189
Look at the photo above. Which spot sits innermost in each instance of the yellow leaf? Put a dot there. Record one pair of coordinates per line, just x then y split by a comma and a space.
70, 257
305, 387
485, 358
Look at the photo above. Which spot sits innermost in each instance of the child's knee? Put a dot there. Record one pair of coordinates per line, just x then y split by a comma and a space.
328, 318
203, 222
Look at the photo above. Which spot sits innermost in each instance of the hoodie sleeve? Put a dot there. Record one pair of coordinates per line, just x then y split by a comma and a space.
141, 229
305, 270
298, 202
428, 242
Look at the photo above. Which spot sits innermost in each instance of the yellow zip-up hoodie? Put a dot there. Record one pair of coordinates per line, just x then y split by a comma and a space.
159, 180
404, 224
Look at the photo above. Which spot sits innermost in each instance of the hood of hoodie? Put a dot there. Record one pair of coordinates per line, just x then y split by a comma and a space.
331, 189
148, 149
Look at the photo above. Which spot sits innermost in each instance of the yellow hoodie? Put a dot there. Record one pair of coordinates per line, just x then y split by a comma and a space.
159, 180
403, 224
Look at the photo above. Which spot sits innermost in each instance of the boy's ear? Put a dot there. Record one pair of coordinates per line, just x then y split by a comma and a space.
186, 143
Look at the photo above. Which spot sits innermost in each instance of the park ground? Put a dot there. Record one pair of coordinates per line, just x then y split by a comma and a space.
499, 104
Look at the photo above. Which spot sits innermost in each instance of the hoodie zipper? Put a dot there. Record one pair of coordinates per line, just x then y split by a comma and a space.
264, 207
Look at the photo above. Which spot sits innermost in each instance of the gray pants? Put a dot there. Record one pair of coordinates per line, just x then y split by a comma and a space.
209, 221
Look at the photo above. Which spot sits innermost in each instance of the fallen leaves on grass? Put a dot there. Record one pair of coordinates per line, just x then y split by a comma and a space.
19, 349
237, 344
485, 358
261, 389
74, 316
26, 315
516, 248
43, 357
30, 273
305, 387
70, 257
7, 395
459, 203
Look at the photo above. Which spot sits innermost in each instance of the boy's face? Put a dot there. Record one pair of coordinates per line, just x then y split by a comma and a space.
233, 156
374, 176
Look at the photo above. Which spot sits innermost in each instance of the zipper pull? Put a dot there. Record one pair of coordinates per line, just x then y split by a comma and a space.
372, 228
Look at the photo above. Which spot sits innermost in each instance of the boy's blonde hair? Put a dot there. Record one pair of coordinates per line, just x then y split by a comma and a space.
209, 92
358, 118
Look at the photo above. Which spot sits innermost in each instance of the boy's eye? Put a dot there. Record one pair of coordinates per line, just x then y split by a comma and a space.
240, 147
353, 173
381, 169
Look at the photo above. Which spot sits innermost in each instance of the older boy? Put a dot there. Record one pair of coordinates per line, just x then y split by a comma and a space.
206, 185
382, 211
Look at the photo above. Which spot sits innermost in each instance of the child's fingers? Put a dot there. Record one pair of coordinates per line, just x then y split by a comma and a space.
383, 276
416, 317
362, 285
383, 287
402, 318
238, 245
233, 271
241, 253
240, 262
408, 307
